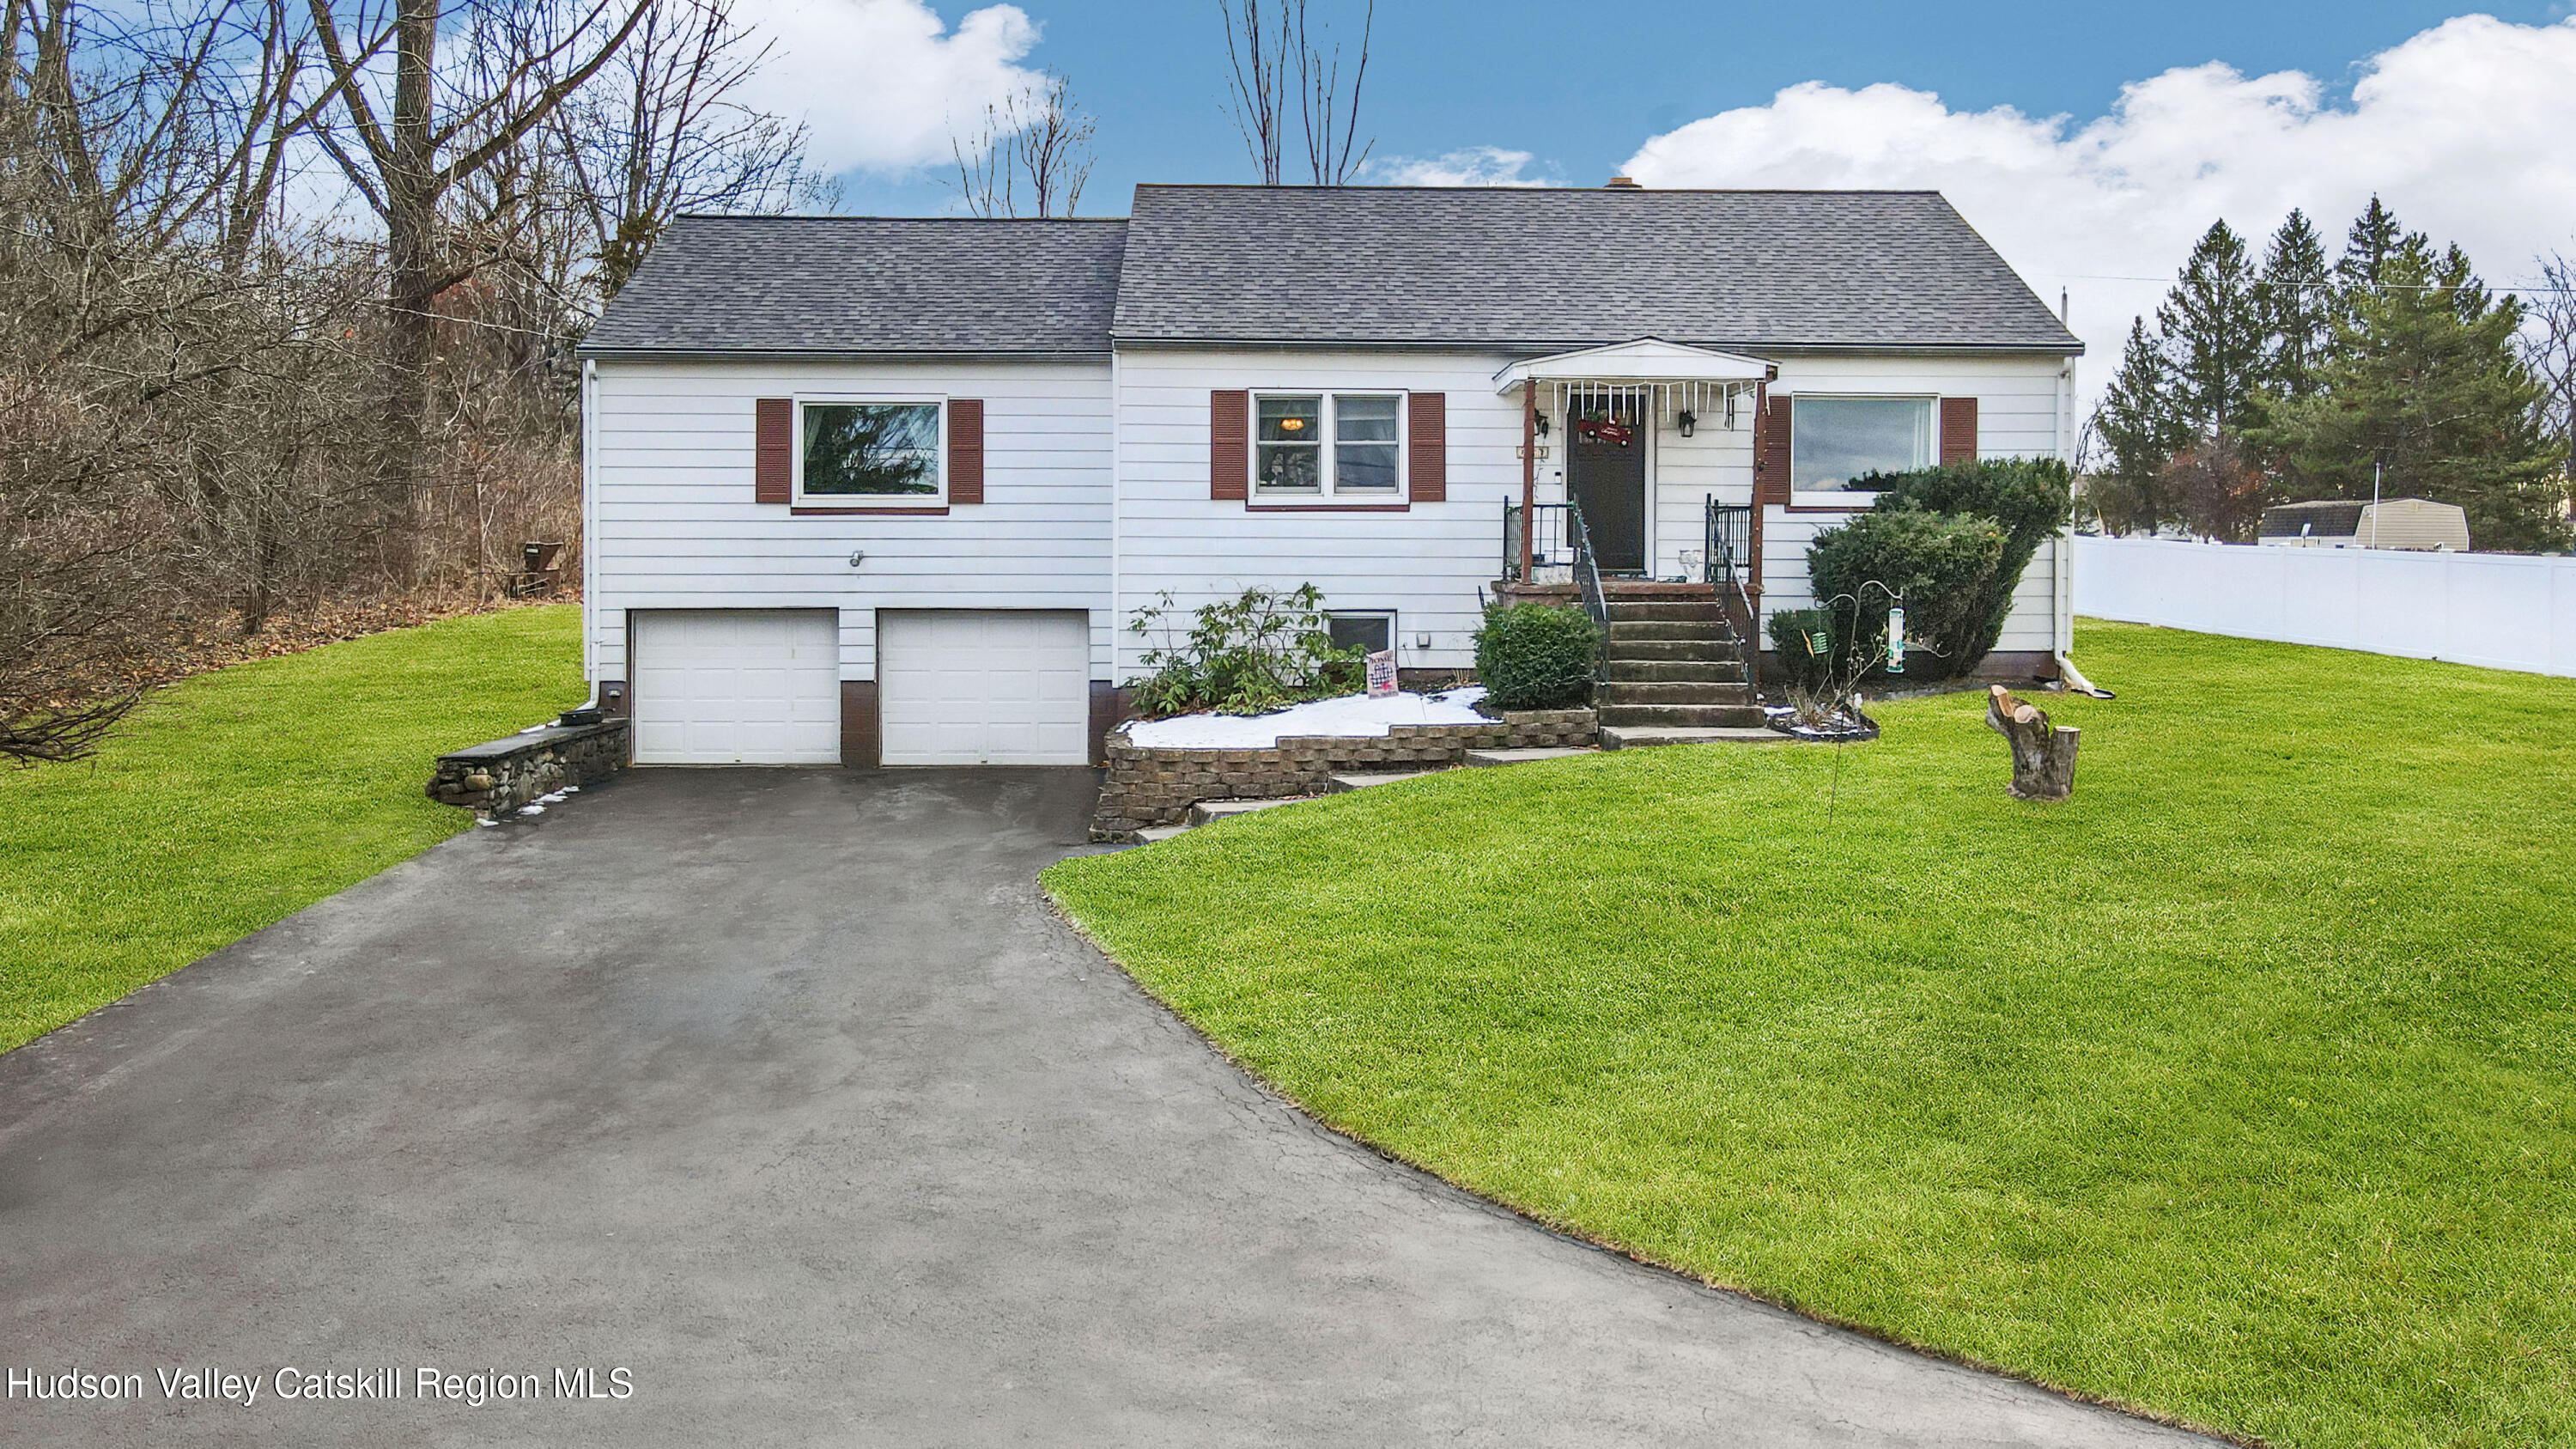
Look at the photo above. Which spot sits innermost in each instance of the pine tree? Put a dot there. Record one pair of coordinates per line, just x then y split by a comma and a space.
2139, 429
2296, 301
2213, 337
2423, 381
2374, 237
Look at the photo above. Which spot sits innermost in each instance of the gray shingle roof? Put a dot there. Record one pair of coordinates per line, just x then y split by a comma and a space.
836, 284
1564, 268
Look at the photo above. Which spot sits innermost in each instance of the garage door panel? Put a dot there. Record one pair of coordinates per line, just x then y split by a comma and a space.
737, 687
984, 686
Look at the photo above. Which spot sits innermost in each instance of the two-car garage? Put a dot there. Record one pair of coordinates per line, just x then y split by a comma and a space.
953, 687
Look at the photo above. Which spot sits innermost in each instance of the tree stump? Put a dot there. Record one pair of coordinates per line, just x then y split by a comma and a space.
2043, 755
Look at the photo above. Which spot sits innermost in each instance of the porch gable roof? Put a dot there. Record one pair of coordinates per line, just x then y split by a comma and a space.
1643, 360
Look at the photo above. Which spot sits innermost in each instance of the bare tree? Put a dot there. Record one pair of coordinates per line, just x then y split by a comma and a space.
1258, 47
406, 151
1331, 127
1040, 137
1265, 40
2548, 343
669, 130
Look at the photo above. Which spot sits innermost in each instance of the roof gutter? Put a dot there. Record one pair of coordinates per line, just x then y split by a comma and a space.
2068, 348
830, 354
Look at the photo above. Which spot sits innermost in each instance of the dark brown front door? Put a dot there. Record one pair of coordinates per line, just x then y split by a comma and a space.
1606, 471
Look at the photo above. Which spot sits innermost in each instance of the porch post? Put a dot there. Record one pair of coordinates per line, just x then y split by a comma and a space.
1529, 479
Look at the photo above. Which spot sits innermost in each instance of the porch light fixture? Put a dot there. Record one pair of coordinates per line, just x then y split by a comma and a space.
1689, 422
1540, 420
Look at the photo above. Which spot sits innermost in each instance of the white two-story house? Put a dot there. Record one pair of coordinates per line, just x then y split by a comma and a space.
873, 491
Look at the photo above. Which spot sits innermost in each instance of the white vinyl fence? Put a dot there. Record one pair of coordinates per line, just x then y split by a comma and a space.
2497, 610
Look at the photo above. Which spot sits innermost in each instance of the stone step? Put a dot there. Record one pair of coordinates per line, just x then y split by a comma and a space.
1155, 834
1521, 757
1208, 812
1623, 629
1676, 671
1693, 691
1680, 716
1344, 784
1634, 610
1651, 651
1641, 738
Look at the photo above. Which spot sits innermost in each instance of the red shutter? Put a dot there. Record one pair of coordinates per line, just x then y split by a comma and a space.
772, 450
965, 450
1958, 430
1427, 434
1229, 445
1775, 418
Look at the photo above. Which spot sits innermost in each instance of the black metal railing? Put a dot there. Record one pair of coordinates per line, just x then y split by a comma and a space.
1587, 575
1730, 542
1730, 559
1548, 549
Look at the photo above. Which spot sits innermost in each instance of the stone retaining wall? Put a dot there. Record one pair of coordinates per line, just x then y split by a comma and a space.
1148, 786
493, 780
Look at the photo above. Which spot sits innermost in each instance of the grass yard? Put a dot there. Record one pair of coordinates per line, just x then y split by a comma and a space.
234, 799
2240, 1088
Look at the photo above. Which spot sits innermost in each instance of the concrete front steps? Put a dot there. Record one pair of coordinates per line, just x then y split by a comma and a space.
1671, 664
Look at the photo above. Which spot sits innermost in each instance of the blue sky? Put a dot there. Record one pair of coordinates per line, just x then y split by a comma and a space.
1582, 94
2091, 145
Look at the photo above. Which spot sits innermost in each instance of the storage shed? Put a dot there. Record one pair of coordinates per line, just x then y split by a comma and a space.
2402, 523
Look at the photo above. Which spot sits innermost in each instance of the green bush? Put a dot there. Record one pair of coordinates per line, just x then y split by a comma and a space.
1801, 667
2028, 498
1247, 655
1537, 656
1942, 565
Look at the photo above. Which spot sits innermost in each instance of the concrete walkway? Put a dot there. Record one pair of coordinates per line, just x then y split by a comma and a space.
783, 1092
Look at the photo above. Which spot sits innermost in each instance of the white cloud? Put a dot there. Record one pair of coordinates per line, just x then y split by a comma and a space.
2462, 129
1472, 166
882, 81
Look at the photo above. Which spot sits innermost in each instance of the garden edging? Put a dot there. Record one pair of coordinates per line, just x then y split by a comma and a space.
1147, 786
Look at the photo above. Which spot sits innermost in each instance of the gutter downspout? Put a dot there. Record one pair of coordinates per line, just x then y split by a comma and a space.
590, 528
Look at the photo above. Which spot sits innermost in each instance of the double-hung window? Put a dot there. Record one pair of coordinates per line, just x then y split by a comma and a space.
886, 452
1834, 441
1311, 447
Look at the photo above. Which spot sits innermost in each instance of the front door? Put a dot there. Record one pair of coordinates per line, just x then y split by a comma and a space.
1606, 458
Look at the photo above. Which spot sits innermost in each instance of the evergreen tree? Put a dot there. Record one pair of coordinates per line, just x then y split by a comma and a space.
2423, 381
2213, 337
2139, 430
2296, 301
2374, 237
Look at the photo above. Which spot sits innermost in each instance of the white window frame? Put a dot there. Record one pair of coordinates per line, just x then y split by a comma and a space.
1394, 625
796, 435
1328, 495
1844, 497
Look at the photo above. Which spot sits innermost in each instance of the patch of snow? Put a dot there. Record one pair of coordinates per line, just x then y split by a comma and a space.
532, 810
1349, 716
557, 798
479, 820
569, 790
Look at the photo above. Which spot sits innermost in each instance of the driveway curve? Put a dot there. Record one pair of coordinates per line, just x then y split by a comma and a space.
784, 1093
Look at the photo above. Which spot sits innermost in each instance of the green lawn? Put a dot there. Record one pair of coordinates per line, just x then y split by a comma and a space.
234, 799
2241, 1087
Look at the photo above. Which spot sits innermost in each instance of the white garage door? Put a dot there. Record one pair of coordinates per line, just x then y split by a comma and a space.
737, 687
984, 687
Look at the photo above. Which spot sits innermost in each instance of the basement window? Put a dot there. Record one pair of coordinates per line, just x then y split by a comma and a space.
1326, 446
880, 450
1368, 633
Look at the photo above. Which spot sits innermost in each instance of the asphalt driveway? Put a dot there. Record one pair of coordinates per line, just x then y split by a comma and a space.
784, 1093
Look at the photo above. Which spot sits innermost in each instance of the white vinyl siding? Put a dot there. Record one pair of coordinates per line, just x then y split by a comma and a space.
983, 687
1423, 562
674, 524
2020, 414
737, 687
